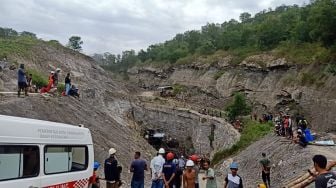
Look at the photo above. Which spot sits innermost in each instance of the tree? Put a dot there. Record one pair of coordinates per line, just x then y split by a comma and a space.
75, 43
322, 19
8, 32
238, 107
28, 34
244, 17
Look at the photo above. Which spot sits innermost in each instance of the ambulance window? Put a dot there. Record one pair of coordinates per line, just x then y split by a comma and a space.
61, 159
19, 162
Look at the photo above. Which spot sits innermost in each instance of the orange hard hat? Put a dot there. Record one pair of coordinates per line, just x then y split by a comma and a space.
170, 156
194, 158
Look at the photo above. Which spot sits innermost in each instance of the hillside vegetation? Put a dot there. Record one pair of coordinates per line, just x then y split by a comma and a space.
303, 35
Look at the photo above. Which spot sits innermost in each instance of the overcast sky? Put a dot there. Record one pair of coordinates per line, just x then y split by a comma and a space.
117, 25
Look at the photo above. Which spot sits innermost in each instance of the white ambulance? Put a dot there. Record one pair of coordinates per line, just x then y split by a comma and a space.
36, 153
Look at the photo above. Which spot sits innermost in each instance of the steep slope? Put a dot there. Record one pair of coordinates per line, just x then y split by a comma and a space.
102, 106
288, 160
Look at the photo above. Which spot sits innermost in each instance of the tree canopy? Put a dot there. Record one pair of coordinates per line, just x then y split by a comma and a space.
265, 31
75, 43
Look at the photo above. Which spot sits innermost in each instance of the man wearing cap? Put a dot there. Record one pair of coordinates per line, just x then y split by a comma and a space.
233, 180
265, 170
156, 167
111, 170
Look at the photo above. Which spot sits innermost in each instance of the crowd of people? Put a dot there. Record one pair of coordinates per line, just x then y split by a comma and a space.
284, 126
25, 83
169, 171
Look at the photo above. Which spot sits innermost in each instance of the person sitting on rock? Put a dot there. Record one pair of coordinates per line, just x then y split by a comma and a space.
74, 91
301, 139
50, 83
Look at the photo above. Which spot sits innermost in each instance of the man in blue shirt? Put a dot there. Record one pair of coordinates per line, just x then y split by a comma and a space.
138, 168
169, 171
22, 81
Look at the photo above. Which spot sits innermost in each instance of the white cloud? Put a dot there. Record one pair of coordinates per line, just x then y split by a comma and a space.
117, 25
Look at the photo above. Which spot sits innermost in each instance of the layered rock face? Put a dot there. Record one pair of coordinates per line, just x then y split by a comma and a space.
183, 124
271, 84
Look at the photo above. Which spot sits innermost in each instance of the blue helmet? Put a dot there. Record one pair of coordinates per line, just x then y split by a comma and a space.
234, 165
96, 165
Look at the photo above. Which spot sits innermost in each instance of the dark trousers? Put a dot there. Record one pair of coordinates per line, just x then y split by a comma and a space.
266, 178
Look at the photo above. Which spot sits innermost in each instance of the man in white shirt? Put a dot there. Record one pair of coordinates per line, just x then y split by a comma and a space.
156, 167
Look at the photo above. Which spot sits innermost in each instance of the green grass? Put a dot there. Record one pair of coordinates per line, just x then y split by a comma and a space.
60, 87
289, 79
38, 78
305, 53
218, 74
21, 46
252, 131
177, 89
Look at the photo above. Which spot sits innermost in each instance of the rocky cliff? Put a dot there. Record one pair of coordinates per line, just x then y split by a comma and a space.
271, 84
102, 107
207, 134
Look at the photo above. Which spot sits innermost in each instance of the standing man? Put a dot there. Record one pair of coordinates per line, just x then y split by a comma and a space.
156, 167
169, 171
290, 127
189, 175
138, 168
195, 159
209, 175
22, 81
178, 175
67, 84
233, 180
324, 179
29, 79
181, 162
111, 170
265, 170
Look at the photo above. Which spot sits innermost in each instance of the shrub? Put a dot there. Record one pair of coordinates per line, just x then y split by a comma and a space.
252, 131
308, 78
177, 89
38, 79
331, 68
60, 87
218, 74
238, 107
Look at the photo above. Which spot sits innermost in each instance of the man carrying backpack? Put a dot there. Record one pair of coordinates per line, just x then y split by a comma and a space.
266, 170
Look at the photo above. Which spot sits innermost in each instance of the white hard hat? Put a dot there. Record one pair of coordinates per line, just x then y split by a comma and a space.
112, 151
58, 69
190, 163
162, 151
52, 72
